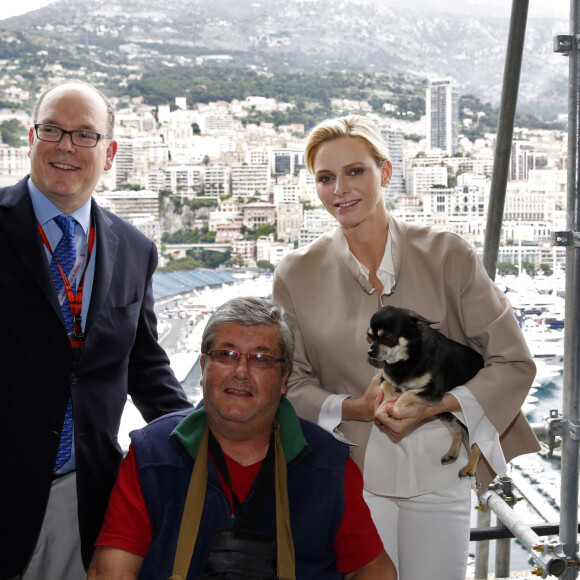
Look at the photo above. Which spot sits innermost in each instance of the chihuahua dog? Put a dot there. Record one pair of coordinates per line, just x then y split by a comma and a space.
423, 364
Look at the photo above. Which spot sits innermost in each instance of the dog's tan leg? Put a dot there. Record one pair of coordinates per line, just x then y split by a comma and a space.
469, 469
409, 398
456, 437
387, 388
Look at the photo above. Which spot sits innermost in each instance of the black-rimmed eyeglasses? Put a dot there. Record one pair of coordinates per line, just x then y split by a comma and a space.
79, 137
255, 359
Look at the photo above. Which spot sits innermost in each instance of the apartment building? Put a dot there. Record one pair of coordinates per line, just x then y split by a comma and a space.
316, 223
184, 180
422, 178
140, 208
14, 164
393, 139
289, 221
250, 181
286, 161
453, 201
258, 214
217, 180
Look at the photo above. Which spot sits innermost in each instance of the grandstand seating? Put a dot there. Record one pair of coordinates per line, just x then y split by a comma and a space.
168, 284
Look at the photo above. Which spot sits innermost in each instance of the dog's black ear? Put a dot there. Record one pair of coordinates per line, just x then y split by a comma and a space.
421, 318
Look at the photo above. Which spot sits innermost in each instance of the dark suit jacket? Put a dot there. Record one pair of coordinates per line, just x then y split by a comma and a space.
121, 357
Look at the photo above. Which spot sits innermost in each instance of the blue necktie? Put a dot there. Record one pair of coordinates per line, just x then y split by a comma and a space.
66, 255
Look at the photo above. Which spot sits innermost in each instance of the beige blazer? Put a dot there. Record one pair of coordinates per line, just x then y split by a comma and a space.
438, 274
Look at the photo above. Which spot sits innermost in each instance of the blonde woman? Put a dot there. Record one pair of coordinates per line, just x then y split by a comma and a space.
330, 289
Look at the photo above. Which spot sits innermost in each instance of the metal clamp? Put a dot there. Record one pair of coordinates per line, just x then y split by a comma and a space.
504, 487
555, 428
573, 431
566, 238
565, 44
558, 427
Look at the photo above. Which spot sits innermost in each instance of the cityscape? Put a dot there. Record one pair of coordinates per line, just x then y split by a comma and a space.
244, 186
222, 181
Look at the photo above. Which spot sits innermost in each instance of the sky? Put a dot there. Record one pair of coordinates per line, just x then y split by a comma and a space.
537, 8
9, 9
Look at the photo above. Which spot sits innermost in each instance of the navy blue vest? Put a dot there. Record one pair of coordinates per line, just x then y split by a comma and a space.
315, 491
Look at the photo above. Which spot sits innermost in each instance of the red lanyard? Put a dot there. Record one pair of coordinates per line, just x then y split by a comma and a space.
76, 301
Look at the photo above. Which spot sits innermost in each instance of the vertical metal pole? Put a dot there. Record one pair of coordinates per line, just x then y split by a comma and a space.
501, 164
502, 558
505, 132
571, 394
505, 490
482, 548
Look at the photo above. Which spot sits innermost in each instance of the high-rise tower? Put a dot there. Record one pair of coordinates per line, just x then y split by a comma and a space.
393, 139
442, 104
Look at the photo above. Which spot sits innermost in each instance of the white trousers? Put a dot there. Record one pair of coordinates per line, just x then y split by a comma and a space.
57, 555
426, 536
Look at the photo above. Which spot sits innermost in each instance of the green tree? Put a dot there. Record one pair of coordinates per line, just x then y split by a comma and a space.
507, 268
261, 230
214, 259
528, 267
187, 263
14, 133
265, 265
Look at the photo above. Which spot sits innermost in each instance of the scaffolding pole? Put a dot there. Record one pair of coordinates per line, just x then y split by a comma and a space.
505, 132
501, 164
482, 547
571, 389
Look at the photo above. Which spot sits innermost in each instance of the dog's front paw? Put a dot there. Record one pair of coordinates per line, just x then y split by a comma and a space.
466, 472
448, 458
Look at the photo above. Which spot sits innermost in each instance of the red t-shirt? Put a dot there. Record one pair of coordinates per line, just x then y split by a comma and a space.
127, 525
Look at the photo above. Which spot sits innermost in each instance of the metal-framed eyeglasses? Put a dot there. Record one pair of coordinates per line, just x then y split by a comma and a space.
260, 360
79, 137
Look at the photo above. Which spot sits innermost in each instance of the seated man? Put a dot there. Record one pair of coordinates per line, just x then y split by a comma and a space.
276, 496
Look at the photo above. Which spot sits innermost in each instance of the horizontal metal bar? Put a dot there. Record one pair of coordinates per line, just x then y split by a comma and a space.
508, 517
502, 533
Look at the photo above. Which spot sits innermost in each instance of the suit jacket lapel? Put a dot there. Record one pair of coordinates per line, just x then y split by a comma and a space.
22, 232
107, 244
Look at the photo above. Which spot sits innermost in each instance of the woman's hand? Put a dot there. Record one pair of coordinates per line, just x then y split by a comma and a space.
397, 421
362, 409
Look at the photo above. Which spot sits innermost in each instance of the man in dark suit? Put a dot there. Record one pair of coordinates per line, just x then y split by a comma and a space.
52, 368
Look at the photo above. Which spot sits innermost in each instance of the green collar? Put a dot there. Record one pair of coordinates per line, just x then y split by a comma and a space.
190, 430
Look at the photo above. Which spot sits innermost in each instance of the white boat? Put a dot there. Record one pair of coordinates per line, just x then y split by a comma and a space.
546, 371
551, 352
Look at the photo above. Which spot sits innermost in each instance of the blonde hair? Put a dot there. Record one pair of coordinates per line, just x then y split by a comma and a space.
349, 126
